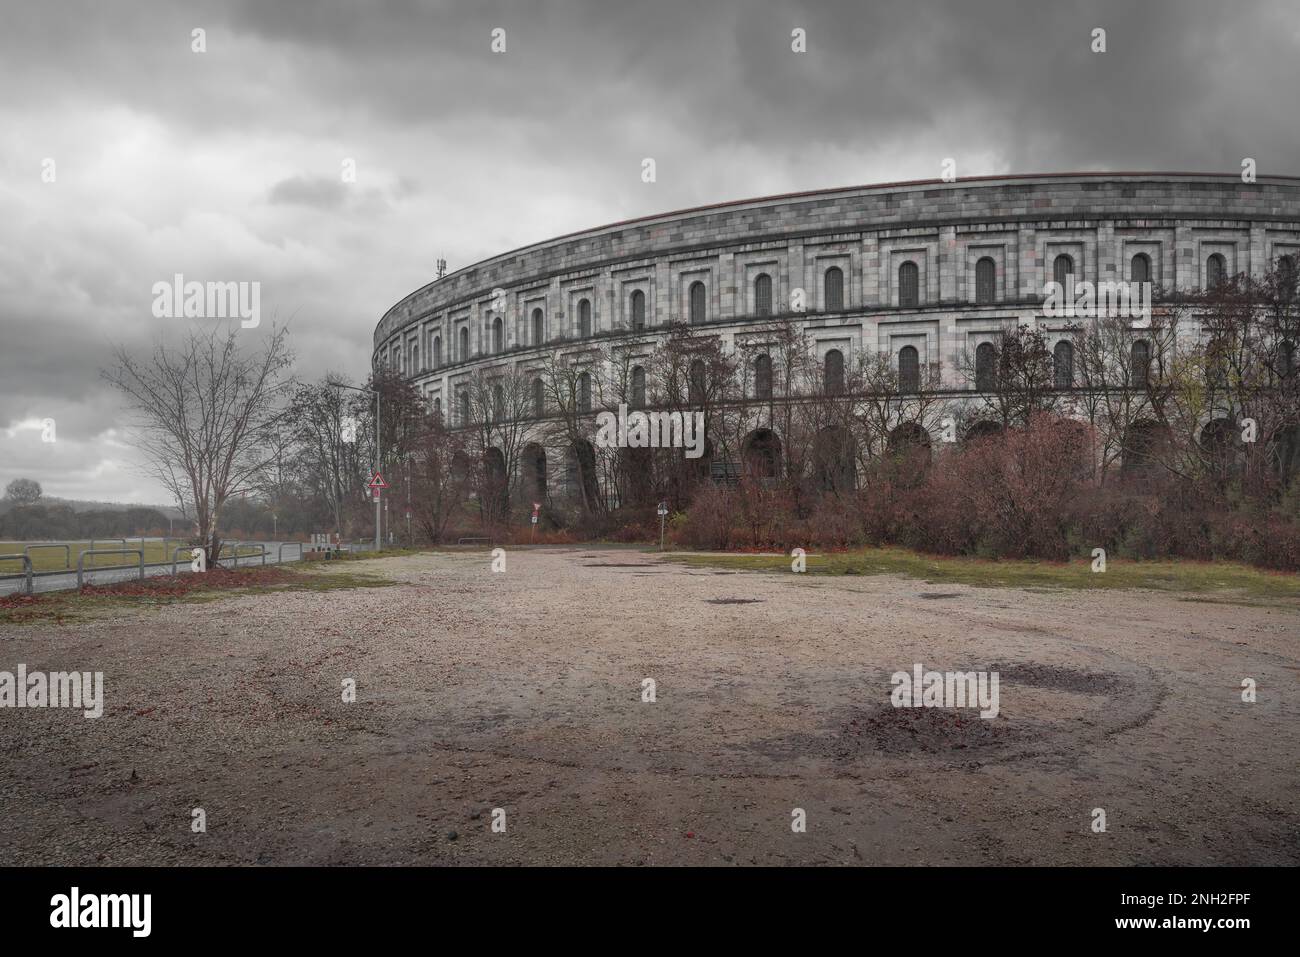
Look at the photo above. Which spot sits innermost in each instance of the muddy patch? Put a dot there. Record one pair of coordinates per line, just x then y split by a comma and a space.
1062, 679
925, 730
733, 601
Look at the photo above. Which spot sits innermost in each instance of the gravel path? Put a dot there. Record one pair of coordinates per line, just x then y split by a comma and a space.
522, 690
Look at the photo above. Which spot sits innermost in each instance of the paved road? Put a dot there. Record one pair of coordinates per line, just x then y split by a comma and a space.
10, 584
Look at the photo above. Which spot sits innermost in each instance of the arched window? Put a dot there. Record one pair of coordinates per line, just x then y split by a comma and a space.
437, 409
464, 343
1139, 268
1062, 270
763, 295
584, 318
909, 369
1063, 365
539, 398
415, 358
909, 293
1216, 270
437, 351
1140, 362
985, 371
833, 289
498, 334
498, 403
696, 383
539, 327
584, 392
462, 400
986, 280
638, 310
833, 375
698, 313
1286, 364
638, 387
763, 377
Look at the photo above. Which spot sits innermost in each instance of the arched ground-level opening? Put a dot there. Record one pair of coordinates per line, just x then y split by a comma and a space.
834, 460
908, 451
1284, 454
495, 494
636, 484
581, 484
1218, 443
761, 454
462, 473
532, 466
1144, 442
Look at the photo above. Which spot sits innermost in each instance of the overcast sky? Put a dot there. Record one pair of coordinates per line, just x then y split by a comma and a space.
227, 165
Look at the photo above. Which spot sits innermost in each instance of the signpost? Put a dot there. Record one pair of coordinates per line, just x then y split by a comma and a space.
537, 507
663, 513
377, 485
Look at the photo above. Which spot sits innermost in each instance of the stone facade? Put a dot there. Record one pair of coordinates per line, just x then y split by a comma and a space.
1023, 223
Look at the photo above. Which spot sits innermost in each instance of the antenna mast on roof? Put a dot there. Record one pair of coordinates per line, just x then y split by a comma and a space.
442, 268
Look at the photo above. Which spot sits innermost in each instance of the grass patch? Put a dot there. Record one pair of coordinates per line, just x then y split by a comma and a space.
1199, 578
102, 601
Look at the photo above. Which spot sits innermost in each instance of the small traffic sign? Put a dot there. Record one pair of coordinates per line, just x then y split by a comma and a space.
377, 483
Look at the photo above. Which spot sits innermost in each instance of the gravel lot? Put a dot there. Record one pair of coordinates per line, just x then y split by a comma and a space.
522, 690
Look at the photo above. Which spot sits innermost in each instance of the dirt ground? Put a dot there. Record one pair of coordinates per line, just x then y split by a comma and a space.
522, 690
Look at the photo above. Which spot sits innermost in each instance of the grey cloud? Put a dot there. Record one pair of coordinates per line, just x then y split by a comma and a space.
317, 192
224, 165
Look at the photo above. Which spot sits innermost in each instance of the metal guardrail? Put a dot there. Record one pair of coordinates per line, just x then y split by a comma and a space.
462, 541
81, 560
182, 548
280, 557
27, 566
94, 540
261, 545
67, 551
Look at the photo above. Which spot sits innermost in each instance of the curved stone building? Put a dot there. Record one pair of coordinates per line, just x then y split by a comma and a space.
922, 272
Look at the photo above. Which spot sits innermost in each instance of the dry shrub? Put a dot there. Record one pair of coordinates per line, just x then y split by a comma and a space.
708, 519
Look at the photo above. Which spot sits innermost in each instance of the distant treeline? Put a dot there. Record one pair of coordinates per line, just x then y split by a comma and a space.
60, 523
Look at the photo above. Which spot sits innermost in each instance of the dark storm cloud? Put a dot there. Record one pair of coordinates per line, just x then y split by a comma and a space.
226, 165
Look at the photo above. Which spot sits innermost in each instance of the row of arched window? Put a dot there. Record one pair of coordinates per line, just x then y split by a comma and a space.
1063, 268
833, 383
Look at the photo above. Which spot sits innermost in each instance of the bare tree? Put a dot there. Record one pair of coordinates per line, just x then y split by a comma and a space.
22, 491
1014, 375
441, 475
501, 405
692, 371
203, 415
327, 455
576, 388
883, 406
1123, 380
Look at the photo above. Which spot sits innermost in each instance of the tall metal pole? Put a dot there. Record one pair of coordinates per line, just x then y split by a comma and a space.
379, 544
